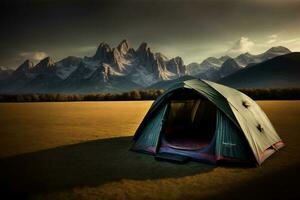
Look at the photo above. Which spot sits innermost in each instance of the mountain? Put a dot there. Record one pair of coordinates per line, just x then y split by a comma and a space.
18, 78
109, 69
279, 72
121, 68
42, 83
67, 65
39, 78
77, 78
85, 79
210, 67
167, 84
176, 66
221, 68
228, 67
109, 82
205, 65
247, 58
5, 73
45, 66
224, 58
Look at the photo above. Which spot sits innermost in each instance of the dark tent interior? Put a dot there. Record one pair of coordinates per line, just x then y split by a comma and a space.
190, 121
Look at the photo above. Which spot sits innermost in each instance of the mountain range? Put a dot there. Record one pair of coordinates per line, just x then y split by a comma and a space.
110, 69
279, 72
215, 68
121, 68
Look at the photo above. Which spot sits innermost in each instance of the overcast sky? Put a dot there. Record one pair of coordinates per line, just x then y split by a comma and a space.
192, 29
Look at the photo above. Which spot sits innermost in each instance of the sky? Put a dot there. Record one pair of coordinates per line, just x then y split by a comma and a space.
192, 29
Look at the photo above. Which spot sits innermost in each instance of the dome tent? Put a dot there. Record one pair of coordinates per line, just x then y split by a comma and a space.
206, 121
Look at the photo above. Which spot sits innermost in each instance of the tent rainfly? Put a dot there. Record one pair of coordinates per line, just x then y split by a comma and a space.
205, 121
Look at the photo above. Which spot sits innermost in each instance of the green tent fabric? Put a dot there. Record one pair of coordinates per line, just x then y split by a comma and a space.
250, 119
150, 134
241, 126
228, 141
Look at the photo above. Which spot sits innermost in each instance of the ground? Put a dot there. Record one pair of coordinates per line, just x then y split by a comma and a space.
80, 151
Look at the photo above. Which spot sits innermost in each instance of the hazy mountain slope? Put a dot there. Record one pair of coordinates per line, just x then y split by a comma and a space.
228, 67
245, 59
5, 73
205, 65
67, 65
169, 83
279, 72
210, 67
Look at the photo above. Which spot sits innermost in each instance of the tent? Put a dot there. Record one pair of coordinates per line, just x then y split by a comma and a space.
206, 121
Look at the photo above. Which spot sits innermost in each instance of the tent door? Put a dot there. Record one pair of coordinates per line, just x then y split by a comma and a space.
230, 142
148, 140
190, 124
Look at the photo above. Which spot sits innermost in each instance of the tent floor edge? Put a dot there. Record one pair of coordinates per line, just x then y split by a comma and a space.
142, 151
174, 158
266, 154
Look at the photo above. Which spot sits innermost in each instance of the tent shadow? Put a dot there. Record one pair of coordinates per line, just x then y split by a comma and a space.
278, 184
91, 163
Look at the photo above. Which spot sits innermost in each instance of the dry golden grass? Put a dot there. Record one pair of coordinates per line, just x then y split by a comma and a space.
80, 151
28, 127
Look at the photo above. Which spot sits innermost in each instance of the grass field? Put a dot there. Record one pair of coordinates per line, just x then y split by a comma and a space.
80, 151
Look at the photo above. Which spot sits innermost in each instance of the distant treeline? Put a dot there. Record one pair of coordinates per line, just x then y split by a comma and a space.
273, 94
125, 96
256, 94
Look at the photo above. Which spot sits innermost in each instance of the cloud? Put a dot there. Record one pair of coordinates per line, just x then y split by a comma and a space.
35, 56
275, 40
85, 49
291, 41
272, 38
244, 44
